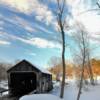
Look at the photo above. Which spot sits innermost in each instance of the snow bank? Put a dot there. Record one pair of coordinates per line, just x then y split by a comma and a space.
71, 91
40, 97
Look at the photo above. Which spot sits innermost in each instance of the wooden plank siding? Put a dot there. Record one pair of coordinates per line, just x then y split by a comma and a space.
23, 70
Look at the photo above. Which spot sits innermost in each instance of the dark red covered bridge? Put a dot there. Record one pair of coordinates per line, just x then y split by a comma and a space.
24, 78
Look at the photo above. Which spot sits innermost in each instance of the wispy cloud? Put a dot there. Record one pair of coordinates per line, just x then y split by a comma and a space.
3, 42
1, 24
19, 22
32, 54
39, 42
95, 39
43, 29
43, 43
41, 11
24, 23
35, 41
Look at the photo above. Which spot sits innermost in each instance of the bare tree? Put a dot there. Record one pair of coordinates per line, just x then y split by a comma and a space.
83, 50
81, 38
98, 4
61, 25
54, 61
89, 65
3, 68
56, 66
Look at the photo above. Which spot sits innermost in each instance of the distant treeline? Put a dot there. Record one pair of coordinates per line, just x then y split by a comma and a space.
3, 68
72, 69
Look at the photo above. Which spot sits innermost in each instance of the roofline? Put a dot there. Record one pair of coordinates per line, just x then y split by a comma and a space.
30, 64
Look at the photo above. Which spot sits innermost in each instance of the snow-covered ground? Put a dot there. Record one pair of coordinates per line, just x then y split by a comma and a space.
40, 97
71, 91
89, 93
4, 85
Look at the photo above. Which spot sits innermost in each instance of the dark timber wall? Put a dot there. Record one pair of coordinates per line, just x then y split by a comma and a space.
24, 78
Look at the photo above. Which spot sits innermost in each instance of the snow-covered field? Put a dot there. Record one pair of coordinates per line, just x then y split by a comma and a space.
4, 85
40, 97
89, 93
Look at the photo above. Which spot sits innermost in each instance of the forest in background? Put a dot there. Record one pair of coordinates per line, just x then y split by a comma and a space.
73, 70
56, 68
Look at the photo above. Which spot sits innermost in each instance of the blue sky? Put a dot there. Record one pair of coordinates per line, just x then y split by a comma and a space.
28, 29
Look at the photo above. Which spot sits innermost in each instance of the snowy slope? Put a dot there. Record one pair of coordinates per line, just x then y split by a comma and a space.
40, 97
71, 91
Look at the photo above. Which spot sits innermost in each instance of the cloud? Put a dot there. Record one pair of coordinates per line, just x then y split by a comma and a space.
3, 42
30, 27
40, 42
91, 21
35, 41
43, 29
32, 54
24, 23
79, 6
82, 13
43, 43
1, 24
41, 11
21, 5
18, 21
1, 28
95, 39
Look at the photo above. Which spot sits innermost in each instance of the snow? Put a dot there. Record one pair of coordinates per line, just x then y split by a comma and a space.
71, 90
40, 97
92, 94
43, 70
4, 85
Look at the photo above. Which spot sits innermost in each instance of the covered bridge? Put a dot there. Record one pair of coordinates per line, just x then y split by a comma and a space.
24, 78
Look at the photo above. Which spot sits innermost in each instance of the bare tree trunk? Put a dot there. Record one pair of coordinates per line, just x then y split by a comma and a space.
63, 64
83, 65
61, 23
81, 83
90, 70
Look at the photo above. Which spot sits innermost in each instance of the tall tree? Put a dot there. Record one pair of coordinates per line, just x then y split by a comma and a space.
61, 25
81, 38
83, 51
